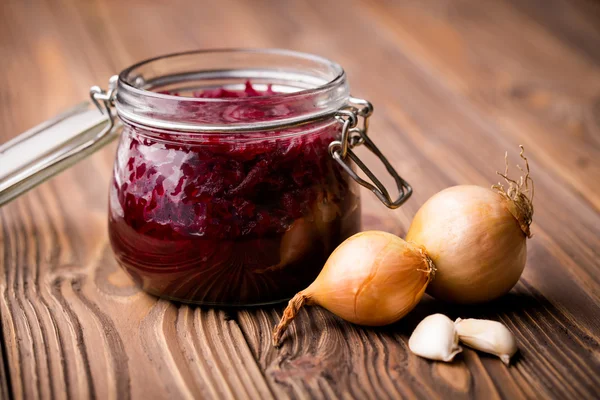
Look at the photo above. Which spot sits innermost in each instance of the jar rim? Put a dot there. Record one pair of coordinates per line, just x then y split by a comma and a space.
284, 52
318, 86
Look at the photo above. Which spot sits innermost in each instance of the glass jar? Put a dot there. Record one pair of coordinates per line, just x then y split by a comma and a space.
234, 177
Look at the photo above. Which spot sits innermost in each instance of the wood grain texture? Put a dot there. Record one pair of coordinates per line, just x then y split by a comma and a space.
455, 84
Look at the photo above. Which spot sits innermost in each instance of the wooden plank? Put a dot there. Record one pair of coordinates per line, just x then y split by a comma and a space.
509, 76
5, 388
82, 330
74, 325
454, 84
410, 100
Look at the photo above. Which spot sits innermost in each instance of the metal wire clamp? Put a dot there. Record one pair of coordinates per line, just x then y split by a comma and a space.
354, 135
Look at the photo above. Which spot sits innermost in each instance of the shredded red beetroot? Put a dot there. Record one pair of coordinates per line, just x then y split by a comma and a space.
205, 221
248, 91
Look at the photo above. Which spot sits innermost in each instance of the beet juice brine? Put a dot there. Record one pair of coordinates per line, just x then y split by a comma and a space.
221, 219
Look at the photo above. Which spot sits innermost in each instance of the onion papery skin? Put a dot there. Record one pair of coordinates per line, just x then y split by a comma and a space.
476, 244
373, 278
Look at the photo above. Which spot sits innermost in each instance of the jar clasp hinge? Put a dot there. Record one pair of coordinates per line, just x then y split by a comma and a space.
354, 135
104, 101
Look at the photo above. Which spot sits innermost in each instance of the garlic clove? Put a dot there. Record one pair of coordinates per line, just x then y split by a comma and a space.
487, 336
435, 338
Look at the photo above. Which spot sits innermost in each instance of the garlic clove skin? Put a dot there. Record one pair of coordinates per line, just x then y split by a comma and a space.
435, 338
487, 336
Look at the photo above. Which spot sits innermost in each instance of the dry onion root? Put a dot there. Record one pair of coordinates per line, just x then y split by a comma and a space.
373, 278
476, 238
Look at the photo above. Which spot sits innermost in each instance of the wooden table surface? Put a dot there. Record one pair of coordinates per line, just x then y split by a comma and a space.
455, 84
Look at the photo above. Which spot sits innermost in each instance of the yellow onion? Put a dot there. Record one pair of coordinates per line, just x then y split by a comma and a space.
373, 278
476, 238
295, 244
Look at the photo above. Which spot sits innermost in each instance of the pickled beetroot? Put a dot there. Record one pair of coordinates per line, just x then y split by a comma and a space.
229, 219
